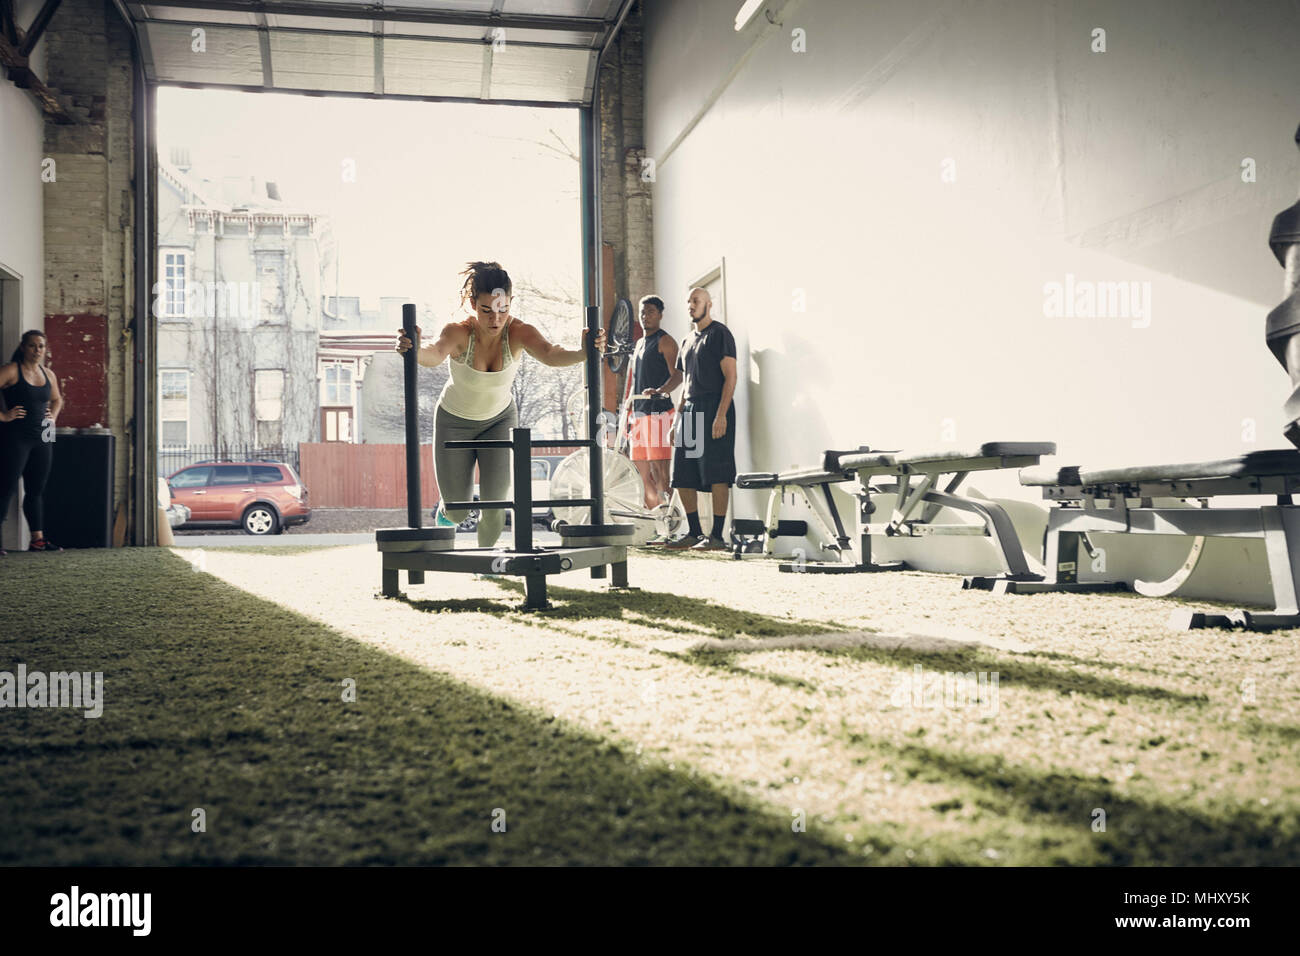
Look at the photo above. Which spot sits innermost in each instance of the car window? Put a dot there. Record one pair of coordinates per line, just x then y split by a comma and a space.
541, 469
191, 478
265, 474
230, 475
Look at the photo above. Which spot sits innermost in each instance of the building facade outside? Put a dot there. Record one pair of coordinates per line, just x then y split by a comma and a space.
239, 313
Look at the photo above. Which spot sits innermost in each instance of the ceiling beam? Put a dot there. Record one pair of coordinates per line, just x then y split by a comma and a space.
361, 11
20, 73
362, 31
8, 29
38, 27
351, 94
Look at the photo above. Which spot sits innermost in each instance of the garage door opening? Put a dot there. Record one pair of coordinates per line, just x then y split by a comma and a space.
291, 230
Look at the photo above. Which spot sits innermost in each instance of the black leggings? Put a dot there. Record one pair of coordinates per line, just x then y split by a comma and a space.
31, 458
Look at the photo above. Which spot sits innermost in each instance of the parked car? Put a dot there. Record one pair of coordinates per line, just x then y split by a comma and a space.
177, 513
262, 497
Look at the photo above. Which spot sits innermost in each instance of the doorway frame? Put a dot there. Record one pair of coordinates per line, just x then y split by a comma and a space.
718, 272
15, 528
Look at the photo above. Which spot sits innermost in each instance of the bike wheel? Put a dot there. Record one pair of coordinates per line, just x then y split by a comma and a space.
624, 493
670, 519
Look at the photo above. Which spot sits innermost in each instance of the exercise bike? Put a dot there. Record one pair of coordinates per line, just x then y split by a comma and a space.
624, 490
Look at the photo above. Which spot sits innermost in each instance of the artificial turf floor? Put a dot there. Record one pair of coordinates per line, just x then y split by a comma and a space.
218, 701
1113, 742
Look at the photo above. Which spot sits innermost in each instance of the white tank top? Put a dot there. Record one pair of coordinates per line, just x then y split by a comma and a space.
476, 395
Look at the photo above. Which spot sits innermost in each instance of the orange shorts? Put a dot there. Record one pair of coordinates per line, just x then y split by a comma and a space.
648, 436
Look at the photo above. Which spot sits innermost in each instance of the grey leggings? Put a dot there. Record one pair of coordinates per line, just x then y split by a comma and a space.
454, 467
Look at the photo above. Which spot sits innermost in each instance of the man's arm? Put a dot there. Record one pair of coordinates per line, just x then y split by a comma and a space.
676, 377
668, 349
728, 389
667, 387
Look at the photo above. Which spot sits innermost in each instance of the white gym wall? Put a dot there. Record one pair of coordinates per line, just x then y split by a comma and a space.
22, 231
821, 175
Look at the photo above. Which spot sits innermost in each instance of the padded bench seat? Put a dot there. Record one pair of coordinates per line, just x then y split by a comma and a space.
990, 455
1046, 476
1097, 501
910, 479
1255, 464
803, 477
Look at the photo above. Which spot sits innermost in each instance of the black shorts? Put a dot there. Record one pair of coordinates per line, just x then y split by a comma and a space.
701, 461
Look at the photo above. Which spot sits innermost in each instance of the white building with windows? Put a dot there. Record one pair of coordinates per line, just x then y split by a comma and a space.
361, 389
239, 313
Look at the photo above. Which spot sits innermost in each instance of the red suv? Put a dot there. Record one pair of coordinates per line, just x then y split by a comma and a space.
262, 497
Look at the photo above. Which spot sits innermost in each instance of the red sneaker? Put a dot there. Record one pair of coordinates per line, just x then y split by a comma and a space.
43, 545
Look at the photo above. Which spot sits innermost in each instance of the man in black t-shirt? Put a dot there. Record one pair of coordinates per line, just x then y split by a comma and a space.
704, 431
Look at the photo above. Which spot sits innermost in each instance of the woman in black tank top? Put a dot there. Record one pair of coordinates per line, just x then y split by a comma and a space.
32, 402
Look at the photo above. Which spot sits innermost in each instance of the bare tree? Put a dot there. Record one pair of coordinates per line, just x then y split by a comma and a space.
543, 392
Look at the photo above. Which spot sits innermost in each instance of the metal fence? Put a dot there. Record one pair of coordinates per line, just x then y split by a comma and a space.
174, 457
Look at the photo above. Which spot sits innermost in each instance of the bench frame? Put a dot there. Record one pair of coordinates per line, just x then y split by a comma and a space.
916, 503
1107, 507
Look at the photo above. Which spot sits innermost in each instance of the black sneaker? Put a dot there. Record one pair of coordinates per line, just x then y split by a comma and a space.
44, 545
685, 543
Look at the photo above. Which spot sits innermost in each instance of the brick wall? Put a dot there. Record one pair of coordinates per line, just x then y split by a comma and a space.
627, 227
88, 221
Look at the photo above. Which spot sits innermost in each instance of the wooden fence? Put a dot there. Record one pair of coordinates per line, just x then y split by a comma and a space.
343, 475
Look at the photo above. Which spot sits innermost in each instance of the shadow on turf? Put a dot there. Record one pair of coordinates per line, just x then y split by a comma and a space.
721, 623
647, 608
1138, 831
231, 703
655, 609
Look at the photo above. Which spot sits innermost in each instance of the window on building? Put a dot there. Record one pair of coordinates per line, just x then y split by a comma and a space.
337, 400
174, 407
171, 303
269, 405
336, 424
336, 384
270, 281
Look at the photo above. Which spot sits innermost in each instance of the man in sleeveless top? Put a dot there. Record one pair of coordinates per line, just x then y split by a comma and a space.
651, 415
32, 403
483, 351
704, 432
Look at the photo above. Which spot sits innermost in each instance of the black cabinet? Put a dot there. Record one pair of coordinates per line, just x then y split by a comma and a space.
79, 495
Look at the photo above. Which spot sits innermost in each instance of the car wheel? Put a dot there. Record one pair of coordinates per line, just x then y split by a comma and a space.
260, 519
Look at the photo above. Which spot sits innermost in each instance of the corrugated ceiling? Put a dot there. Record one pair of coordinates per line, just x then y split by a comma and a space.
540, 52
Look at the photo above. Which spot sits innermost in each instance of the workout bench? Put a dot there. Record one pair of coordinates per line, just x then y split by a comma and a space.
1102, 500
911, 479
